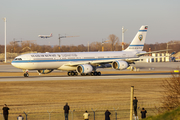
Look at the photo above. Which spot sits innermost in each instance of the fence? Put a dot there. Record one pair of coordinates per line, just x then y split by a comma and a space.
119, 112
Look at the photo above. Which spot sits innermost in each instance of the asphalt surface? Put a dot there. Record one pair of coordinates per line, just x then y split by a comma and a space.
161, 66
168, 66
106, 76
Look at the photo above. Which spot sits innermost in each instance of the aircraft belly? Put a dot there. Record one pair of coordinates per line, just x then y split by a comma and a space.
66, 67
36, 66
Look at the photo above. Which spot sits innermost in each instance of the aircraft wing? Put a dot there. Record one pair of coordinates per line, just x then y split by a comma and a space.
99, 62
95, 62
129, 60
108, 61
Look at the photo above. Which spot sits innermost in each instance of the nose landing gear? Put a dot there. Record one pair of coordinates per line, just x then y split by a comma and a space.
26, 74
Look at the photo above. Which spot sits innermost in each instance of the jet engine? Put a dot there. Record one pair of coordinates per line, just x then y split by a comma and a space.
44, 71
120, 65
86, 68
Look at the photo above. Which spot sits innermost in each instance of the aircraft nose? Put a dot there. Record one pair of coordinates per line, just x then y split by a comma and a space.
13, 64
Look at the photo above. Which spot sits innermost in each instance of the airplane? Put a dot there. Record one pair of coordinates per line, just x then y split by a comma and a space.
45, 36
83, 63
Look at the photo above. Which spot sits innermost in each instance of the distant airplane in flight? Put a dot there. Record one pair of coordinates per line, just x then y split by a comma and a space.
45, 36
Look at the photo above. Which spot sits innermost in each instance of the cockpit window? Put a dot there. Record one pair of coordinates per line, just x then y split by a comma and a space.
18, 59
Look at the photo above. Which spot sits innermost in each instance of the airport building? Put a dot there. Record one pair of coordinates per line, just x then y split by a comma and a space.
156, 57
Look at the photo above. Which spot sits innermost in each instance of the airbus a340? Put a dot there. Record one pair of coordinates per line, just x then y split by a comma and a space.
83, 63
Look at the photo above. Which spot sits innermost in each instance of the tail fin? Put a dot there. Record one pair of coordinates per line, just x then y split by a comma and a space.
51, 34
139, 40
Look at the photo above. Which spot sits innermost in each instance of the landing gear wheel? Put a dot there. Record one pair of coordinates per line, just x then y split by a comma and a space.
76, 74
95, 73
99, 73
69, 73
92, 73
72, 73
82, 74
26, 75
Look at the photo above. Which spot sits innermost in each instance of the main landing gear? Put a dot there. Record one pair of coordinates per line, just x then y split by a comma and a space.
26, 73
74, 73
95, 73
91, 74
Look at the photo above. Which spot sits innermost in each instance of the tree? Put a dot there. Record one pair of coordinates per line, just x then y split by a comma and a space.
95, 46
171, 94
1, 48
113, 38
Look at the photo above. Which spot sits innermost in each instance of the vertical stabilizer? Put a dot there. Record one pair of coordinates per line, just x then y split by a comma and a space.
139, 40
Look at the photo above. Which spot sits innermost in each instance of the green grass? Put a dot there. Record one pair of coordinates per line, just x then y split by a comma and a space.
169, 115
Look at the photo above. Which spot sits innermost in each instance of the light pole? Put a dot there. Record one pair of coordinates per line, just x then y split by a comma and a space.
5, 38
123, 31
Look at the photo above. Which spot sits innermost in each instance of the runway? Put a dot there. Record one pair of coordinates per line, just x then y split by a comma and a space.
151, 67
161, 66
104, 76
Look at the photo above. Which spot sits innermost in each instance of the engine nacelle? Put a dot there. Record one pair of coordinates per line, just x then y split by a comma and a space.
44, 71
86, 68
120, 65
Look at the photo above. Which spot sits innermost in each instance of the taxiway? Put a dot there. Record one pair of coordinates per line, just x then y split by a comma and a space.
168, 66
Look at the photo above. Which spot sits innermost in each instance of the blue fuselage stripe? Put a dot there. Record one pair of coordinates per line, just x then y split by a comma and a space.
61, 60
142, 30
136, 45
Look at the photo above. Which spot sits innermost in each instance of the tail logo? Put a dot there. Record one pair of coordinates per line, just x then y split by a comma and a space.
140, 37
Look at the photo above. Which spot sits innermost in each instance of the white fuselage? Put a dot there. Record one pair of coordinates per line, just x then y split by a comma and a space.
38, 61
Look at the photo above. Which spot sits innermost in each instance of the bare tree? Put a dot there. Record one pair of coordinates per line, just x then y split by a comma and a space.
171, 94
1, 48
113, 45
95, 46
113, 38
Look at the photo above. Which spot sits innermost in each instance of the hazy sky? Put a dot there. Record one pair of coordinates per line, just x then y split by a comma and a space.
92, 20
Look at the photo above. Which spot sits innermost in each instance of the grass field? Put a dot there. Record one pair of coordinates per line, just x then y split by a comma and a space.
40, 96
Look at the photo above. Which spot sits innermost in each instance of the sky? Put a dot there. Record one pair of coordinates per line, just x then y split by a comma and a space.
90, 20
